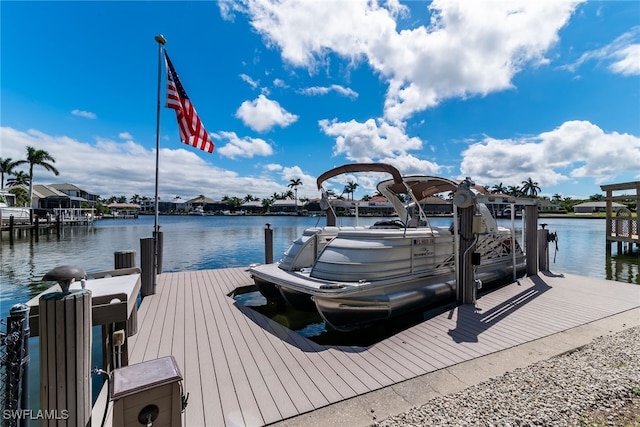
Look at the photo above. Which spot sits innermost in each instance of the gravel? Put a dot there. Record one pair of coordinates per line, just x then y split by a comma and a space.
596, 385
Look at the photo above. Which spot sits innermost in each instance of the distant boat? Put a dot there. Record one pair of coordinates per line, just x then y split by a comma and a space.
8, 209
233, 213
354, 276
197, 211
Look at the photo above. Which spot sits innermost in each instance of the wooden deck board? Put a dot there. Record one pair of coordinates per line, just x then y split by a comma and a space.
242, 368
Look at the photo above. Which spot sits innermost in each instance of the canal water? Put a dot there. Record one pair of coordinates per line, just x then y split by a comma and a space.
209, 242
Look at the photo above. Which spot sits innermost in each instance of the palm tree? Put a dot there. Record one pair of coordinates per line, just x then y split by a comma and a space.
6, 166
513, 191
350, 188
38, 158
557, 197
266, 204
530, 187
19, 178
286, 195
294, 183
499, 189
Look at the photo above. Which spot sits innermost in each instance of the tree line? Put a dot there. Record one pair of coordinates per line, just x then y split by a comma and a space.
16, 178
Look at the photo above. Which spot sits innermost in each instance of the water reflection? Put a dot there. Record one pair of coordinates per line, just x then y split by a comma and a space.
623, 268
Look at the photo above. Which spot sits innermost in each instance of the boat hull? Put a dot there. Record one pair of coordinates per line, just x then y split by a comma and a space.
347, 306
20, 215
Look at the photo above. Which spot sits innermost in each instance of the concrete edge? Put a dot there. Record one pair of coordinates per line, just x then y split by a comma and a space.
392, 400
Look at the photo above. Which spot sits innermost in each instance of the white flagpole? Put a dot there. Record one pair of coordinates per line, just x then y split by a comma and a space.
161, 42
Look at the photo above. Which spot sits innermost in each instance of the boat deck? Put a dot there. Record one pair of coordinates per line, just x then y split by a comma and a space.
241, 368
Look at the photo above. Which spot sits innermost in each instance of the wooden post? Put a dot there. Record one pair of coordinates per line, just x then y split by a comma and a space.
146, 264
268, 244
37, 227
543, 249
11, 230
124, 259
531, 226
65, 358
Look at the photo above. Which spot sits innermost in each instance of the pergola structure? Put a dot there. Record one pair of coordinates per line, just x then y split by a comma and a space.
623, 226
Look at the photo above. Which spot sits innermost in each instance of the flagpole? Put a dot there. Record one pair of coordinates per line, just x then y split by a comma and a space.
161, 42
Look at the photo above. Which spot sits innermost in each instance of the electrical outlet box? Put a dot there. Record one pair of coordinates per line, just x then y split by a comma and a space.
118, 337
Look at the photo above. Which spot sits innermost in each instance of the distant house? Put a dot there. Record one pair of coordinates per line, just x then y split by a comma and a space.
286, 206
77, 192
62, 196
124, 209
591, 207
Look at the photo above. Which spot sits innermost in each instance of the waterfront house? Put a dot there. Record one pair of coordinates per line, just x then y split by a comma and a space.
77, 193
591, 207
286, 207
61, 196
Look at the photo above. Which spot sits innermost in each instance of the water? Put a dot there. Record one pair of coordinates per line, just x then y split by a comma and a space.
209, 242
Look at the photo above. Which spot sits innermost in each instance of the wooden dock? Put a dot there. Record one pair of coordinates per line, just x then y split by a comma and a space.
241, 368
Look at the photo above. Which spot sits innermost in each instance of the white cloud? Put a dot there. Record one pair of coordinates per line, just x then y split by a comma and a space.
242, 147
262, 114
125, 135
469, 48
112, 167
576, 149
85, 114
273, 167
627, 61
623, 55
364, 142
247, 79
279, 83
323, 90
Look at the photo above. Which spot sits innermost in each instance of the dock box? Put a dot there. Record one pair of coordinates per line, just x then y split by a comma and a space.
145, 392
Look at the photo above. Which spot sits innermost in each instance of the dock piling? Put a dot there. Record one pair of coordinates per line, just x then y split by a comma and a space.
531, 237
65, 370
146, 264
268, 244
124, 259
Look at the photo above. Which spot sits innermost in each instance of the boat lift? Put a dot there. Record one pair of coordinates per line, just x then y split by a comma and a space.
464, 206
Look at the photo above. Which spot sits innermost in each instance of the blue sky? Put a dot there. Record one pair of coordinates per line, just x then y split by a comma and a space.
495, 90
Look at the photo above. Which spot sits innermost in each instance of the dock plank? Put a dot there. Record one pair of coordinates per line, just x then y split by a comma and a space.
242, 368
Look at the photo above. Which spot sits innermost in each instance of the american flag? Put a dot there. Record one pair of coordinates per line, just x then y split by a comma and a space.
192, 131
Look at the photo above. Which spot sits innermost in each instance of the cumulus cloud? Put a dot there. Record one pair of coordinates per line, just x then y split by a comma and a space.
242, 147
323, 90
369, 140
469, 48
262, 114
85, 114
125, 135
114, 167
575, 149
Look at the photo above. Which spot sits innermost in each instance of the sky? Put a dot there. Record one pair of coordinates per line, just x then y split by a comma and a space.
498, 91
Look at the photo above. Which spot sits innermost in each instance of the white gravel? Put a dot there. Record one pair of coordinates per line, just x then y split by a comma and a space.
602, 376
